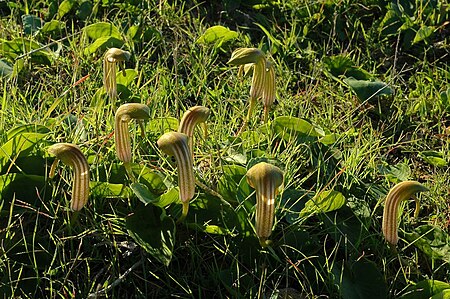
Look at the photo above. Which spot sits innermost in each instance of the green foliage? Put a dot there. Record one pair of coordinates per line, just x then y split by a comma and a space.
217, 35
154, 231
339, 158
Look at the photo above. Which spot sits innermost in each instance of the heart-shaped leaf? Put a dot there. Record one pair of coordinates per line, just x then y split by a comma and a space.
153, 231
426, 289
360, 280
366, 90
432, 241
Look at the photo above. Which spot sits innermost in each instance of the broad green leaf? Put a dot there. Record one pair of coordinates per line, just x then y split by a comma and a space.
396, 173
426, 289
147, 197
31, 189
423, 34
153, 179
323, 202
85, 9
434, 158
5, 68
31, 24
432, 241
108, 190
229, 180
366, 90
292, 202
289, 127
52, 26
65, 7
102, 30
210, 215
129, 77
19, 146
360, 280
445, 294
13, 48
142, 193
218, 35
103, 43
341, 65
28, 128
153, 231
162, 125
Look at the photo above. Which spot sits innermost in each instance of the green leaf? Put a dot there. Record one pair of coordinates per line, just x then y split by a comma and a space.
341, 65
19, 146
31, 24
65, 7
5, 68
151, 178
13, 48
218, 35
360, 280
432, 241
396, 173
52, 26
228, 182
153, 231
108, 190
28, 128
32, 189
292, 202
209, 215
102, 30
366, 90
427, 288
129, 77
434, 158
84, 11
323, 202
146, 197
102, 43
423, 34
289, 127
162, 125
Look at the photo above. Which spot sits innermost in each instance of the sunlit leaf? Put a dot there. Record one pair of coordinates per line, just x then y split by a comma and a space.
65, 7
366, 90
423, 34
341, 65
129, 77
291, 128
396, 173
218, 35
434, 158
102, 30
162, 125
153, 231
147, 197
108, 190
426, 289
323, 202
102, 43
53, 25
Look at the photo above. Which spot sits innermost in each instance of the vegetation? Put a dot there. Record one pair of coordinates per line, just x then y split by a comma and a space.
362, 103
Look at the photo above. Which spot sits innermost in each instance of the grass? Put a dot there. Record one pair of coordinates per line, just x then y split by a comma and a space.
47, 251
